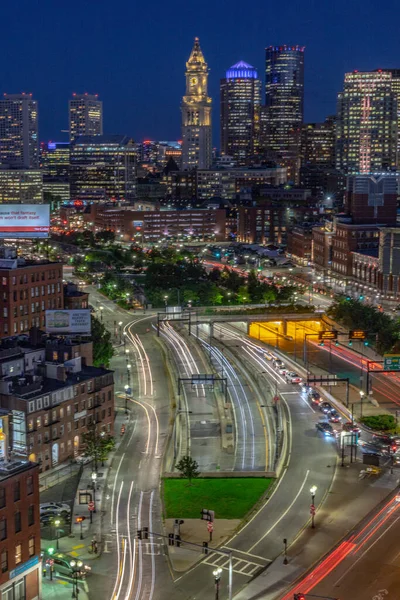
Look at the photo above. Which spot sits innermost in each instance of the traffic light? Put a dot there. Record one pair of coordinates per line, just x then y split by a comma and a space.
322, 343
50, 551
299, 597
139, 534
366, 343
171, 541
350, 343
337, 343
146, 533
205, 547
178, 541
79, 519
361, 298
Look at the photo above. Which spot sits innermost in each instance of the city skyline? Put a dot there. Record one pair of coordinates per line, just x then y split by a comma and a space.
141, 91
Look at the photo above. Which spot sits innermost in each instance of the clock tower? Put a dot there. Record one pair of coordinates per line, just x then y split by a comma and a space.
196, 113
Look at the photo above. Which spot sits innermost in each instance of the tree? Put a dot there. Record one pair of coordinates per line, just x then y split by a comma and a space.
105, 237
188, 468
97, 445
102, 347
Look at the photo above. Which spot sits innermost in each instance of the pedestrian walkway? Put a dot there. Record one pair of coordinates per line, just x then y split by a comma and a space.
86, 537
62, 589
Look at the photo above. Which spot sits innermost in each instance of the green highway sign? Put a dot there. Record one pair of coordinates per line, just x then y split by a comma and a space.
391, 362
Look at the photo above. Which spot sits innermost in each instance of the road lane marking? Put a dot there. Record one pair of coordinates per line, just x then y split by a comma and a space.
113, 489
283, 514
247, 553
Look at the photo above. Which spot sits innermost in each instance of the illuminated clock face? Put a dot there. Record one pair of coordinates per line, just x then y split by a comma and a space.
193, 81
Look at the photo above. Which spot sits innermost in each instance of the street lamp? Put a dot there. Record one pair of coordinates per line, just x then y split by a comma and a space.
217, 578
127, 354
126, 387
312, 492
101, 312
120, 331
94, 477
165, 300
57, 524
76, 566
362, 394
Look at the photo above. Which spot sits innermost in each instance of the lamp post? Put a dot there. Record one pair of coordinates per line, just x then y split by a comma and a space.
312, 509
127, 355
126, 387
94, 477
101, 312
57, 523
120, 331
128, 372
76, 566
362, 394
166, 301
217, 578
124, 333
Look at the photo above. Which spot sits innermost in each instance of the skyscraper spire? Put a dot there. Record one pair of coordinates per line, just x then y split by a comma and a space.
196, 113
196, 58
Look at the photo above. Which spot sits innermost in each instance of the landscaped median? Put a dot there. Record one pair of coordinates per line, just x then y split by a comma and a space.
231, 499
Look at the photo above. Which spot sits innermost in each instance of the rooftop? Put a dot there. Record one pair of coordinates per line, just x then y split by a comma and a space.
101, 140
13, 466
241, 70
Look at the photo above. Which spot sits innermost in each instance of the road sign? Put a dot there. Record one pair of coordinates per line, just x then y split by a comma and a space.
276, 398
312, 509
91, 505
207, 515
210, 527
391, 362
328, 335
357, 334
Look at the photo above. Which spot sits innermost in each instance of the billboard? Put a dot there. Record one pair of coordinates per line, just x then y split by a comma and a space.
68, 321
24, 220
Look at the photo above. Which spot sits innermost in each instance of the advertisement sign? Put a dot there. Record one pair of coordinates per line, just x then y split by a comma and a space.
24, 220
68, 321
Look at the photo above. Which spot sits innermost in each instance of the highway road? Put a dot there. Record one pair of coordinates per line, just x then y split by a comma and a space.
365, 565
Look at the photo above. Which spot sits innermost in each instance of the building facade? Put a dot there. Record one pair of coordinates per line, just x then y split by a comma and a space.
19, 138
20, 576
240, 96
318, 144
366, 123
103, 167
27, 290
85, 116
196, 113
299, 244
54, 396
20, 186
284, 101
227, 183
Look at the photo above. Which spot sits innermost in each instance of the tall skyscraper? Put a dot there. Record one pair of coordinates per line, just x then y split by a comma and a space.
240, 93
366, 123
318, 143
85, 116
284, 100
19, 145
196, 113
103, 168
396, 89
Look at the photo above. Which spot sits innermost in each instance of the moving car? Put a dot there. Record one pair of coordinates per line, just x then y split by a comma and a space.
278, 363
315, 397
326, 408
351, 427
292, 377
334, 416
56, 508
282, 370
326, 428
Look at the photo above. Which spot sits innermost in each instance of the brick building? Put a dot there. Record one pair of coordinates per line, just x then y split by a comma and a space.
299, 244
27, 290
54, 396
322, 247
74, 299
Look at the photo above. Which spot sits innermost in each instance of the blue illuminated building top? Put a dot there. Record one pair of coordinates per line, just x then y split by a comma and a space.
241, 70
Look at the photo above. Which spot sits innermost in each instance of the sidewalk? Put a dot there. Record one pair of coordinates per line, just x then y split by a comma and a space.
62, 589
73, 544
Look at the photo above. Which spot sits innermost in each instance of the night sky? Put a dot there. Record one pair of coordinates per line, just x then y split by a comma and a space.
133, 53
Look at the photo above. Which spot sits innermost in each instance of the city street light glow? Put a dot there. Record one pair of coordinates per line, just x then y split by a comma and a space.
313, 490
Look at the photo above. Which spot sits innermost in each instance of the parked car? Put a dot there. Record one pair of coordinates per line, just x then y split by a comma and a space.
48, 518
58, 508
292, 377
326, 428
62, 565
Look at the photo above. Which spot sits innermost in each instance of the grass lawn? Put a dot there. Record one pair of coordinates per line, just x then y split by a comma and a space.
230, 498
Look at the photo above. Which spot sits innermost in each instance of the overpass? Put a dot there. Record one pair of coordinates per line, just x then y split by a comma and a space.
282, 323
